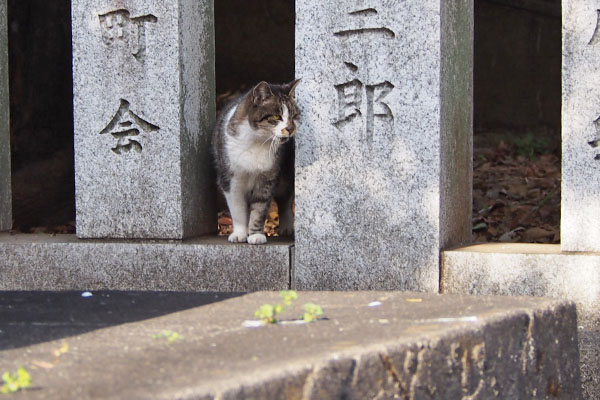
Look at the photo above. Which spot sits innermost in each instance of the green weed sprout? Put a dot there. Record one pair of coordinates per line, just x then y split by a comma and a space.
268, 312
312, 312
14, 383
288, 296
171, 336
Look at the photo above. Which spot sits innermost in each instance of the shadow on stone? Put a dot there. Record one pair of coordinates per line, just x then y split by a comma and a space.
30, 317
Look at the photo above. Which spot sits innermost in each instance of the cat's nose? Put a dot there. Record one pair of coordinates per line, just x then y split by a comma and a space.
287, 131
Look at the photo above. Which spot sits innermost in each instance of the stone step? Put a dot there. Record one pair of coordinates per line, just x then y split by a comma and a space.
368, 345
63, 262
520, 269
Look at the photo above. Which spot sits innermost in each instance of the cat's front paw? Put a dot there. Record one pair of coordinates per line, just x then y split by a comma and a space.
238, 237
257, 238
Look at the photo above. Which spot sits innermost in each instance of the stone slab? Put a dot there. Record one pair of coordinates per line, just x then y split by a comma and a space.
32, 317
383, 157
5, 180
63, 262
535, 270
143, 85
580, 208
404, 346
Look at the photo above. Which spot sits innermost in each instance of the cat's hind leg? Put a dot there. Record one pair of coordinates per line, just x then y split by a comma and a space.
286, 215
256, 225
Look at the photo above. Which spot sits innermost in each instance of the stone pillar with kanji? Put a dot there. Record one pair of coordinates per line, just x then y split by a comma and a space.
384, 150
5, 180
143, 89
580, 188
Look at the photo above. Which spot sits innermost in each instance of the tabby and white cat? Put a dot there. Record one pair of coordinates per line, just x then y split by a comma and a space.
253, 150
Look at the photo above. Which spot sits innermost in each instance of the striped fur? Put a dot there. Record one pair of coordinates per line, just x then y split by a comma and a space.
253, 149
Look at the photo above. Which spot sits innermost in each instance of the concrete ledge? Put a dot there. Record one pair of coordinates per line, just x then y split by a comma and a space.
527, 270
63, 262
403, 346
535, 270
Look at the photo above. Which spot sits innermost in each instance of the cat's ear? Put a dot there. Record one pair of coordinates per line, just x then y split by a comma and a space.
261, 92
292, 88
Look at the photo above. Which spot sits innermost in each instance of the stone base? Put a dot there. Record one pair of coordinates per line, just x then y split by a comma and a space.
63, 262
370, 345
535, 270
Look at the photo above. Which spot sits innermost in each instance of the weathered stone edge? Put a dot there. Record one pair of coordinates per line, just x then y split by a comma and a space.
62, 262
535, 270
396, 369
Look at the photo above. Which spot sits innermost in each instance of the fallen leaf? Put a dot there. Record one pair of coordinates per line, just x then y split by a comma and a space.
537, 234
225, 221
43, 364
414, 300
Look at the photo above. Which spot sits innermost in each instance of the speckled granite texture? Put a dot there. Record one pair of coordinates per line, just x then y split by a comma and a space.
63, 262
143, 76
383, 159
580, 207
5, 189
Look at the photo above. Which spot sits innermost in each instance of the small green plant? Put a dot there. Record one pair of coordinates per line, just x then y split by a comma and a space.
171, 336
268, 313
312, 312
529, 146
15, 382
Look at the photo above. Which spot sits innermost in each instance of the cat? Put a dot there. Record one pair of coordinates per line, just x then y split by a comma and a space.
253, 150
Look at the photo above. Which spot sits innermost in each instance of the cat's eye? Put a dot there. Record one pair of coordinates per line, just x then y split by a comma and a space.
274, 118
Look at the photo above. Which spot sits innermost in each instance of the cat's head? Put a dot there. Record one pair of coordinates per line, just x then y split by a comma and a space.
273, 111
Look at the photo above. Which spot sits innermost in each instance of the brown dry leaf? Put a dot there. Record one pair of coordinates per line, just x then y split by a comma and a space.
536, 234
414, 300
518, 189
225, 221
43, 364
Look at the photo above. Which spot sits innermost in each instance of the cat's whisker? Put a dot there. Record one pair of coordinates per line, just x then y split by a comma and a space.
267, 139
272, 148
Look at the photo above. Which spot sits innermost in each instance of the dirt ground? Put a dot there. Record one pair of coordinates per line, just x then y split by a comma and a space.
516, 192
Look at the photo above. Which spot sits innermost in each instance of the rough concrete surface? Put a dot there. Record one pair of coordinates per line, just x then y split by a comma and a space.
370, 196
143, 85
369, 345
535, 270
32, 317
580, 208
5, 180
63, 262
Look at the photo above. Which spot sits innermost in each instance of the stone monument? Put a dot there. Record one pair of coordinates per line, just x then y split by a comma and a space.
580, 207
384, 159
5, 183
143, 84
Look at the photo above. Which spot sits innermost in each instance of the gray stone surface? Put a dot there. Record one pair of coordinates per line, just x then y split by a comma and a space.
62, 262
143, 77
417, 346
580, 193
5, 181
535, 270
383, 151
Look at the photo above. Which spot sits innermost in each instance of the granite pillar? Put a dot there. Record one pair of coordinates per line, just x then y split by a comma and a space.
580, 206
5, 181
143, 77
384, 151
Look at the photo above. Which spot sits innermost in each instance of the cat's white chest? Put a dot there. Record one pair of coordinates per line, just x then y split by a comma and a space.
249, 157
